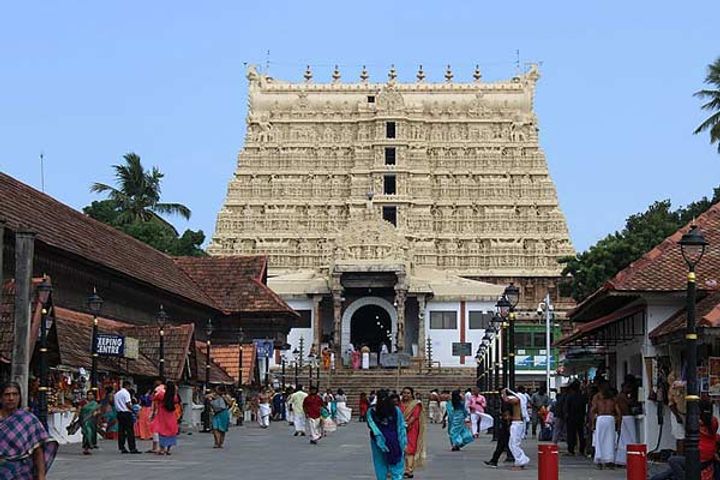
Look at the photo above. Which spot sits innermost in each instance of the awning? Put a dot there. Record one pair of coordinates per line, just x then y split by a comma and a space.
617, 327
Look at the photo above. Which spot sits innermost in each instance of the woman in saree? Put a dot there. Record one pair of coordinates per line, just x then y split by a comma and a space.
388, 438
220, 402
88, 415
344, 412
165, 422
142, 425
364, 407
109, 415
456, 417
415, 424
26, 450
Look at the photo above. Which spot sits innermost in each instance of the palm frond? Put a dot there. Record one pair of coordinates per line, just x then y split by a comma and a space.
709, 123
101, 187
173, 209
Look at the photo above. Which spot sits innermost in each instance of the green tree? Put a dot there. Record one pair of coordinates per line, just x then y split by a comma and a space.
137, 195
712, 98
590, 269
157, 235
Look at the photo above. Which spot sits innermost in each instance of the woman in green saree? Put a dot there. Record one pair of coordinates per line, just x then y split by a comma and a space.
88, 422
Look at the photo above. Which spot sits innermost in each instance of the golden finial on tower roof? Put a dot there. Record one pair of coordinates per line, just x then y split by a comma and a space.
476, 74
364, 75
336, 74
448, 74
392, 74
308, 74
421, 74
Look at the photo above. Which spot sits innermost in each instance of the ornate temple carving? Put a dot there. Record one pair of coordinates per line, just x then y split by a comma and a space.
472, 192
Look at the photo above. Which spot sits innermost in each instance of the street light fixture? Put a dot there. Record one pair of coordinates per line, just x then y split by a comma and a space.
692, 246
44, 290
241, 338
208, 333
512, 294
94, 303
503, 311
162, 319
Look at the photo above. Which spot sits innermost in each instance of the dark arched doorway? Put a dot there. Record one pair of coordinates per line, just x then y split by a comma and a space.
371, 325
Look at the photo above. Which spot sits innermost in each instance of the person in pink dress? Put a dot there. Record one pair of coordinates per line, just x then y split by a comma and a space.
165, 422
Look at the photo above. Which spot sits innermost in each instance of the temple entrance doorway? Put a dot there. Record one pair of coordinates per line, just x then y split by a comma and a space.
371, 325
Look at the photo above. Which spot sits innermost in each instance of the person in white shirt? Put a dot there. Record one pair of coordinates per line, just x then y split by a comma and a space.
123, 407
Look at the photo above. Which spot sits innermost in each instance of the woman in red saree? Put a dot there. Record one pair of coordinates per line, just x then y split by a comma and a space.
415, 423
364, 406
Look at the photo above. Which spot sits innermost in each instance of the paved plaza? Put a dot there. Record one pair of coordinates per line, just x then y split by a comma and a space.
274, 453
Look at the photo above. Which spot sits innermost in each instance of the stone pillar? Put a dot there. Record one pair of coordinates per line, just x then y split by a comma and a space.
337, 292
24, 251
421, 325
400, 297
317, 332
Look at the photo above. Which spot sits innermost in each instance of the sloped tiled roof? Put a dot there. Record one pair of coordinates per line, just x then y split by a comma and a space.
663, 269
178, 339
217, 373
235, 284
707, 315
74, 338
59, 226
227, 357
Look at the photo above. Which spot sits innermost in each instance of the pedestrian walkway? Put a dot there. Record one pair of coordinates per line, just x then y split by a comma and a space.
274, 453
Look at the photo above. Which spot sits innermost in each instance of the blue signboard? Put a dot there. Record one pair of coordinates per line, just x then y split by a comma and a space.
264, 348
109, 345
533, 362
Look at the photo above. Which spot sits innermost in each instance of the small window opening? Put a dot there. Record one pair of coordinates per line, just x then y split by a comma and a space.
371, 98
390, 129
390, 215
389, 185
389, 155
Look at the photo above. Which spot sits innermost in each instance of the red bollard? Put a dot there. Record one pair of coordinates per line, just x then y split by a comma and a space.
548, 461
636, 461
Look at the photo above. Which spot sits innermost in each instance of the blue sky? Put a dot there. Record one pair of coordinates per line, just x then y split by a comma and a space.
86, 82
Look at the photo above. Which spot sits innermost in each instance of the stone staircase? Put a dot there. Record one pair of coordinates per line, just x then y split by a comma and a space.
355, 381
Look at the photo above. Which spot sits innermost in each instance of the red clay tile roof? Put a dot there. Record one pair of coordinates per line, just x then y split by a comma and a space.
178, 339
217, 374
235, 284
707, 314
227, 357
74, 338
7, 319
64, 228
663, 269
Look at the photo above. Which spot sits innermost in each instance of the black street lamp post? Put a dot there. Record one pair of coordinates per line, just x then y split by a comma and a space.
296, 355
692, 246
503, 310
44, 290
208, 333
95, 303
512, 294
162, 319
241, 338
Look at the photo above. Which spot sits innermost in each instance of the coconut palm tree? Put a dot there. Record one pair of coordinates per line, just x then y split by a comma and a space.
712, 95
137, 196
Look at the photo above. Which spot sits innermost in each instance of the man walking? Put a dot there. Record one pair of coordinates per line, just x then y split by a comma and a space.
123, 407
503, 434
538, 400
559, 410
475, 405
517, 426
312, 406
296, 401
575, 414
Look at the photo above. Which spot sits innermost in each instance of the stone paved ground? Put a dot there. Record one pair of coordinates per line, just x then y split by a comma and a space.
275, 454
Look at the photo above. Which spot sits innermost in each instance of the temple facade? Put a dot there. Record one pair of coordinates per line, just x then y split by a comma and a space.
388, 210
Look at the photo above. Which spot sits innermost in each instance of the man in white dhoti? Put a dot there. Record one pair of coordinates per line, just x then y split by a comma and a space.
288, 406
312, 406
476, 406
365, 350
434, 406
627, 424
344, 413
517, 426
605, 415
678, 409
296, 400
264, 410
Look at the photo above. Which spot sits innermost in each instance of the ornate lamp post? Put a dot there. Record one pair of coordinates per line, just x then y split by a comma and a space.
44, 290
162, 319
512, 294
208, 333
94, 303
503, 309
241, 338
692, 246
296, 362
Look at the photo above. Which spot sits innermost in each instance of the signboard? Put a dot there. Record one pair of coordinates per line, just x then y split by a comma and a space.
264, 348
533, 362
109, 345
132, 348
460, 349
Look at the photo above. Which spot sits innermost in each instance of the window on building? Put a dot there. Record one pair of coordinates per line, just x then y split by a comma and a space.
539, 339
305, 320
523, 340
390, 215
390, 130
371, 98
389, 155
478, 320
389, 185
443, 320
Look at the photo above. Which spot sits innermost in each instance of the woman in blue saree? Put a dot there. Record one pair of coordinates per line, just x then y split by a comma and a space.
388, 438
26, 450
456, 416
